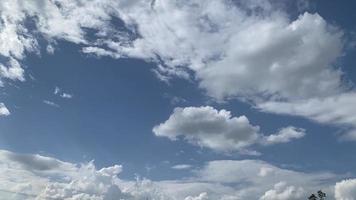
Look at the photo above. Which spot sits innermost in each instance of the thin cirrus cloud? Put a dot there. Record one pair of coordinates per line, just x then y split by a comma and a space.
51, 103
32, 176
219, 130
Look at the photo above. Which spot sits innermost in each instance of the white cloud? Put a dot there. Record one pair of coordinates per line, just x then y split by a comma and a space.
58, 91
32, 176
337, 110
51, 103
181, 167
227, 48
284, 135
345, 190
53, 20
3, 110
240, 179
202, 196
12, 70
219, 130
283, 192
28, 176
66, 95
219, 41
207, 127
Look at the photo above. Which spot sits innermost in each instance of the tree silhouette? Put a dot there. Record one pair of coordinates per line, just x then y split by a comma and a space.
312, 197
321, 196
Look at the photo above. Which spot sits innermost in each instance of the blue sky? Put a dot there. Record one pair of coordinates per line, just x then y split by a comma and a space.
179, 94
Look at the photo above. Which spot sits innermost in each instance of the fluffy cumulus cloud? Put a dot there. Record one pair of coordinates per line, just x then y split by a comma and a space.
32, 176
219, 130
345, 190
3, 110
27, 176
281, 191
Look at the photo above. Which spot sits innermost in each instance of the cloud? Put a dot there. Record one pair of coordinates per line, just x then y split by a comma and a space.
219, 130
58, 91
202, 37
345, 190
51, 103
3, 110
202, 196
226, 54
283, 192
225, 46
284, 135
242, 179
28, 176
12, 71
53, 20
337, 110
207, 127
32, 176
181, 167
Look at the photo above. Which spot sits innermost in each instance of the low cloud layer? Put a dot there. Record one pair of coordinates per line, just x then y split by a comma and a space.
219, 130
28, 176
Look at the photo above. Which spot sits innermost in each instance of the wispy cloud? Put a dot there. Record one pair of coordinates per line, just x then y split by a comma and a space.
51, 103
181, 167
59, 92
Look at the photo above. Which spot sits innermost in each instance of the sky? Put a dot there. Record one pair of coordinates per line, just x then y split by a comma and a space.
177, 100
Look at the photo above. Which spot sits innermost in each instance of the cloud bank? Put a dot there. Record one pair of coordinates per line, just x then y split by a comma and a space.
32, 176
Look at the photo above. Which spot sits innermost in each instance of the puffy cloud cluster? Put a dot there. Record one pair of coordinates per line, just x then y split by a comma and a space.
32, 176
227, 46
27, 176
218, 130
